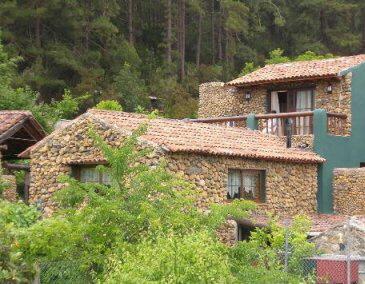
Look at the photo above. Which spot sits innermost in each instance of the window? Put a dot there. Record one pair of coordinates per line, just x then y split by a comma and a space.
246, 184
91, 174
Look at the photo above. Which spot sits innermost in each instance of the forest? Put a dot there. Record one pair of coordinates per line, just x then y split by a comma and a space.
130, 50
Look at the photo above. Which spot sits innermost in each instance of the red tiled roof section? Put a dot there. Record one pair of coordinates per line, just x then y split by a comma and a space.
9, 118
299, 70
182, 136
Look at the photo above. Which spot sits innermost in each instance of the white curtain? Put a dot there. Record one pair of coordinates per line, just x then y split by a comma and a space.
274, 126
304, 103
234, 183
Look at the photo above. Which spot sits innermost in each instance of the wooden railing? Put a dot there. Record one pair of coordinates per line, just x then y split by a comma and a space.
298, 123
230, 121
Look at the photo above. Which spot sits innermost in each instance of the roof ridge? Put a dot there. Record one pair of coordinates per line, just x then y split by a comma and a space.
317, 60
298, 70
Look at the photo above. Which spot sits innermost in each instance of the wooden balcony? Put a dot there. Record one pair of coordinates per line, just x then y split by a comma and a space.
280, 124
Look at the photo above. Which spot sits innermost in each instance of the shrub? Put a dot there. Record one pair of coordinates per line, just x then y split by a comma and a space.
109, 105
14, 217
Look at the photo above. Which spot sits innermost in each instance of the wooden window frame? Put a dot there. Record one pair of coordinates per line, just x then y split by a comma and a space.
261, 179
76, 171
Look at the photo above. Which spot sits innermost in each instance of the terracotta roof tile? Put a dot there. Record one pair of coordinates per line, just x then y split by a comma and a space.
9, 118
182, 136
299, 70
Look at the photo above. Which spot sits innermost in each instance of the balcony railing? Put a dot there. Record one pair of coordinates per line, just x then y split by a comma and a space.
298, 123
231, 121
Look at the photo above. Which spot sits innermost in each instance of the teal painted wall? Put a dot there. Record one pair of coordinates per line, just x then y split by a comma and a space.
340, 152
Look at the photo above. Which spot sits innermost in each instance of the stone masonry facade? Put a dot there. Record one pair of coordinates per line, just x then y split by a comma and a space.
290, 187
216, 99
349, 191
9, 193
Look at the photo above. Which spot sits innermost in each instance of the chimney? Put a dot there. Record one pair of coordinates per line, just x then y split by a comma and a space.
288, 131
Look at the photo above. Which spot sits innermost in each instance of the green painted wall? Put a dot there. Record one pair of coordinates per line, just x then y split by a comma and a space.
340, 152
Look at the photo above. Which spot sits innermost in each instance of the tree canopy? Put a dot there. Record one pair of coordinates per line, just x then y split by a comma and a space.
127, 50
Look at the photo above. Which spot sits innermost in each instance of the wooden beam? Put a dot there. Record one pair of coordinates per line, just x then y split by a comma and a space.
22, 139
22, 167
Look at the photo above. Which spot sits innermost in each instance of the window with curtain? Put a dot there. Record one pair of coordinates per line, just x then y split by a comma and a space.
246, 184
91, 174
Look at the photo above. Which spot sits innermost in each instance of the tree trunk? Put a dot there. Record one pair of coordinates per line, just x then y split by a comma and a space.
199, 42
130, 21
322, 27
220, 48
363, 28
182, 38
37, 28
212, 26
169, 33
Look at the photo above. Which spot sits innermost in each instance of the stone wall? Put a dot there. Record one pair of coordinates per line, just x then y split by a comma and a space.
290, 188
215, 99
68, 146
348, 237
10, 192
349, 191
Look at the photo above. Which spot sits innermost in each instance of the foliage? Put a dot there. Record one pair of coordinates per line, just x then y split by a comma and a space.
192, 258
68, 106
145, 226
276, 56
3, 183
249, 67
14, 217
310, 55
102, 47
139, 206
130, 88
265, 252
109, 105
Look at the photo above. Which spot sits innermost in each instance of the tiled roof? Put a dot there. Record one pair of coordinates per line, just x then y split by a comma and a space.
181, 136
9, 118
299, 70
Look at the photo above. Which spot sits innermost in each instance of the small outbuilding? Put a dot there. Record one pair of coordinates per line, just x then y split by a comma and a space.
19, 130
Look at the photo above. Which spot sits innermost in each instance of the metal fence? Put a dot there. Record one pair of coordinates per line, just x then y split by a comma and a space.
345, 264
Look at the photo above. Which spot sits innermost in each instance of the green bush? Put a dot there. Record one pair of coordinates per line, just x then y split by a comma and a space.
109, 105
140, 205
193, 258
14, 217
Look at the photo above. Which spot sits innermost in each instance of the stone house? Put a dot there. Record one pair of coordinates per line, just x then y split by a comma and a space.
245, 164
18, 131
318, 104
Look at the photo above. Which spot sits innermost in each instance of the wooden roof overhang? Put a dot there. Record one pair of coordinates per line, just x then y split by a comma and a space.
20, 136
